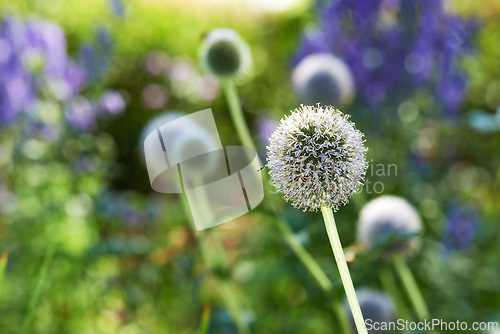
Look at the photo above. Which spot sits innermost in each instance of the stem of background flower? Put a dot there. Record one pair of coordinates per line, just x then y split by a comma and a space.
341, 314
389, 285
212, 259
411, 287
205, 320
3, 265
338, 252
47, 259
236, 113
246, 139
304, 256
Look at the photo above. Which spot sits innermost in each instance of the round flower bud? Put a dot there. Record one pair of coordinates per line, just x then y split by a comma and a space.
316, 158
390, 223
376, 306
225, 54
323, 78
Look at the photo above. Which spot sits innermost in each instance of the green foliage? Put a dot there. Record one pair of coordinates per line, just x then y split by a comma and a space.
127, 260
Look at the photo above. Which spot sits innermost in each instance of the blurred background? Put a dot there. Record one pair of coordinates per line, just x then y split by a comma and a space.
88, 247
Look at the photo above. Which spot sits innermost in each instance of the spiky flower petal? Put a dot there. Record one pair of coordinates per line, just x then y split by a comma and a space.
391, 223
225, 54
316, 158
323, 78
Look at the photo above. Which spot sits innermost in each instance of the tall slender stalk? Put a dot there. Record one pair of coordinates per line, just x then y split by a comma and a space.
3, 265
411, 287
47, 259
213, 256
341, 314
304, 256
205, 320
389, 285
236, 113
338, 252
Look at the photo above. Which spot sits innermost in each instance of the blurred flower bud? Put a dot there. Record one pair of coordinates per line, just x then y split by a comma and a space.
375, 306
391, 224
225, 54
323, 78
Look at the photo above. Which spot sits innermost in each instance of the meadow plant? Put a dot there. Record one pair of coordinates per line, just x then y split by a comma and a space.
390, 226
316, 159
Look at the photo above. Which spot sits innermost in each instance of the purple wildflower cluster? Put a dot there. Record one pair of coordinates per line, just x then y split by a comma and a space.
460, 228
395, 46
129, 208
35, 68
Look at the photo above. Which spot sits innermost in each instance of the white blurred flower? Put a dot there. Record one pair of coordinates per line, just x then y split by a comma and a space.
391, 223
225, 54
323, 78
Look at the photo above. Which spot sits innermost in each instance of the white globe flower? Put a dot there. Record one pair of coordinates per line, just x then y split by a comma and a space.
316, 158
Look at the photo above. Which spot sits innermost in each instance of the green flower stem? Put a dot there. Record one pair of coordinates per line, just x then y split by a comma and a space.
205, 320
389, 285
345, 276
345, 327
411, 287
3, 265
236, 113
213, 257
49, 254
304, 256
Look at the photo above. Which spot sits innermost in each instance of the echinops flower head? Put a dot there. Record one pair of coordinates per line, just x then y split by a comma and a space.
225, 54
391, 223
317, 158
375, 305
323, 78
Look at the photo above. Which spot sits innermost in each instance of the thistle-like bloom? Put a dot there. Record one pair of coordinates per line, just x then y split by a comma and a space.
390, 223
376, 306
225, 54
317, 158
323, 78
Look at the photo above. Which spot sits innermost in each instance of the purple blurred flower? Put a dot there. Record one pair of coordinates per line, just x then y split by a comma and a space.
96, 58
112, 103
395, 46
34, 66
265, 127
129, 207
461, 227
81, 114
117, 7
